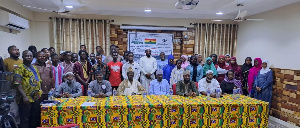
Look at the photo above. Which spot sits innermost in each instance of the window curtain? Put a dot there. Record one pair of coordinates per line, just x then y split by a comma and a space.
213, 38
68, 34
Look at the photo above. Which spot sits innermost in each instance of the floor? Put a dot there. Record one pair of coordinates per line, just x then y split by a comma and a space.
273, 124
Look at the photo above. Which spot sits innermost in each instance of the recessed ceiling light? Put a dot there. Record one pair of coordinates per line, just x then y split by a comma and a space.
69, 6
147, 10
216, 20
219, 13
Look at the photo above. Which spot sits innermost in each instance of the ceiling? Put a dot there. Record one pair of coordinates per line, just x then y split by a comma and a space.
206, 9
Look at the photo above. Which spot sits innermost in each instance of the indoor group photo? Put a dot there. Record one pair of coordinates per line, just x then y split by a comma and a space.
149, 64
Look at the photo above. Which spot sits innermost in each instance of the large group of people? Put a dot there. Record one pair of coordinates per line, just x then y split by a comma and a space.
72, 74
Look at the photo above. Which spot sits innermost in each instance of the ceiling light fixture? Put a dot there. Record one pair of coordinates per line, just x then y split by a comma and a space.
147, 10
219, 13
217, 20
69, 6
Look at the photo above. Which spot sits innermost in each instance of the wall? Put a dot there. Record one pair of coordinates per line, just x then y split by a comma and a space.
23, 39
277, 38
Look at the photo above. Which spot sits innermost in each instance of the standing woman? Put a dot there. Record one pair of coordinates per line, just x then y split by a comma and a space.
209, 66
236, 68
222, 68
185, 61
253, 73
245, 72
263, 83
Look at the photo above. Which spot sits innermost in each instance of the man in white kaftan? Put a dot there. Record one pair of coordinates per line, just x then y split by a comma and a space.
148, 66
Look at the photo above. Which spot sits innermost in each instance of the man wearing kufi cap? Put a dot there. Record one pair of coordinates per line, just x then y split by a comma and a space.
100, 88
130, 86
159, 86
186, 87
208, 82
69, 88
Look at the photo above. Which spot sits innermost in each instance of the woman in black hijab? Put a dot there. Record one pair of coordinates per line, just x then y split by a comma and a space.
245, 72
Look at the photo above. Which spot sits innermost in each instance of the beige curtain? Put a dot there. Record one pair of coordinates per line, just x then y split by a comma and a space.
215, 38
68, 34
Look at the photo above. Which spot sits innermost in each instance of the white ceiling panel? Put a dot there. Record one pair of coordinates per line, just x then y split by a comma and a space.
206, 9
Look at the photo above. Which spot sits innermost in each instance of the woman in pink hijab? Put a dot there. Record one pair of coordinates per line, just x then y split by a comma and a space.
185, 61
253, 73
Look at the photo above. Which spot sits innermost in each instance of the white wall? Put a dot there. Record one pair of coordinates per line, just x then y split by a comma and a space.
23, 39
276, 39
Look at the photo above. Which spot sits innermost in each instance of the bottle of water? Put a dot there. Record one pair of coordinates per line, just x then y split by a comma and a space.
171, 94
218, 92
208, 93
89, 94
238, 93
114, 94
50, 94
234, 93
145, 96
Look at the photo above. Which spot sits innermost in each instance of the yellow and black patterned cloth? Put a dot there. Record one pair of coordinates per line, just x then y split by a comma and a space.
158, 111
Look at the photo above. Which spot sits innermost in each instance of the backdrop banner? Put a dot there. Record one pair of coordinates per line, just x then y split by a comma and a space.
138, 42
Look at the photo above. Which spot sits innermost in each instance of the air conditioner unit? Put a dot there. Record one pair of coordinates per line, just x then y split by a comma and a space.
12, 21
186, 4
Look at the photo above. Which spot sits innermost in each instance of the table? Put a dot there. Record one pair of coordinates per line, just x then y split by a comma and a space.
158, 111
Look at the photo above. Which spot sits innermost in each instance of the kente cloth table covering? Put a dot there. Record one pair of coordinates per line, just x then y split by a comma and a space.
158, 111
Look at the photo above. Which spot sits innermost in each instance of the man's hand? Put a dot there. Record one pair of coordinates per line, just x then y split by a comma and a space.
101, 95
26, 100
213, 95
193, 94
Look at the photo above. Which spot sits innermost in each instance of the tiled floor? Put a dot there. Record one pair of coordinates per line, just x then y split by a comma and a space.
273, 124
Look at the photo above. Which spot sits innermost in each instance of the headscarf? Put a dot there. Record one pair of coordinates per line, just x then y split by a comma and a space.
235, 67
185, 63
245, 66
253, 73
222, 65
169, 58
267, 69
235, 81
207, 67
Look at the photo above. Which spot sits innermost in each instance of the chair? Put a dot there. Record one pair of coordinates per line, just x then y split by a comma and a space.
174, 87
82, 89
66, 126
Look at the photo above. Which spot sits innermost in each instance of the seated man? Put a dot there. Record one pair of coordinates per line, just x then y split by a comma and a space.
69, 88
208, 82
130, 86
159, 86
100, 88
186, 87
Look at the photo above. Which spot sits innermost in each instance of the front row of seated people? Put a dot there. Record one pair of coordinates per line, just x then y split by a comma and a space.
101, 88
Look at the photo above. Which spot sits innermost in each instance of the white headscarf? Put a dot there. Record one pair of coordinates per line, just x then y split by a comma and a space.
267, 69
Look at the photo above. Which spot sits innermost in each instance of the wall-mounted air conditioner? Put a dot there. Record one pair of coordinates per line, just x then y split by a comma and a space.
12, 21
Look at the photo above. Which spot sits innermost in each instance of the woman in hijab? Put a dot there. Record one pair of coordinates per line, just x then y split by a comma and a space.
263, 83
236, 68
168, 68
229, 82
222, 68
253, 73
214, 58
195, 69
209, 66
245, 72
185, 62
